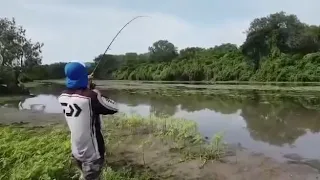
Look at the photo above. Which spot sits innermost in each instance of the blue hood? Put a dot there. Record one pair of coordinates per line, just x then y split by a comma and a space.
76, 75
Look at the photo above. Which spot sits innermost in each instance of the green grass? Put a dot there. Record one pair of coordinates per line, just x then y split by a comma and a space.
182, 133
31, 153
44, 152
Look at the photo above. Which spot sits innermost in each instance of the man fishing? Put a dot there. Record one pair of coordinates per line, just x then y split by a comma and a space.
82, 107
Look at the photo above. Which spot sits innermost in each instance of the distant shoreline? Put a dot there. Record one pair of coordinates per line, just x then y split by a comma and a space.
200, 87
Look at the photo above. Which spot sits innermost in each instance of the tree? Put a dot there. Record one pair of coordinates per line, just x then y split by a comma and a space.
18, 52
17, 49
108, 64
162, 51
271, 35
189, 52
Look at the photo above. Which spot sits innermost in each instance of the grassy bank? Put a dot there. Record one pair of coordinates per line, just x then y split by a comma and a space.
133, 145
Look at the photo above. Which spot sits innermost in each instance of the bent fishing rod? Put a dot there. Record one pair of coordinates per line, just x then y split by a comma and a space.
105, 52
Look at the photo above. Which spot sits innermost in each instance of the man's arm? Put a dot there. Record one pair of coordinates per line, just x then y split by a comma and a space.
105, 105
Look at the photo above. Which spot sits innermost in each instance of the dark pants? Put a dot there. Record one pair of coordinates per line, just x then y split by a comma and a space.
90, 170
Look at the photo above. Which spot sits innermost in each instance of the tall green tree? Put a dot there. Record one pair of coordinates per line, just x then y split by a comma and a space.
278, 33
162, 51
17, 51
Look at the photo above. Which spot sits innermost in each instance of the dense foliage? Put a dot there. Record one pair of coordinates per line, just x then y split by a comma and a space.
18, 55
278, 47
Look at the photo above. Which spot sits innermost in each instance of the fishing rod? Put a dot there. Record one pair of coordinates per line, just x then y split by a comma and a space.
105, 52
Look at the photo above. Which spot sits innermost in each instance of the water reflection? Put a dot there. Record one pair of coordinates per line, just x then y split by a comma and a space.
271, 127
280, 123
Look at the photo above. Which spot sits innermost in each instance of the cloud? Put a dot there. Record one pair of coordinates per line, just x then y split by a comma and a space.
82, 31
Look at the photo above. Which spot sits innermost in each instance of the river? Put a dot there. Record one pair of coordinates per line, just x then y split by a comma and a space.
274, 128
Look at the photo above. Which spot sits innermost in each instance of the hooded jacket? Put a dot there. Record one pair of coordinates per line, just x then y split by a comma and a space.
82, 108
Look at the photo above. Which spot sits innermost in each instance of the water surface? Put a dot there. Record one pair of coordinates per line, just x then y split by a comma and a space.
274, 127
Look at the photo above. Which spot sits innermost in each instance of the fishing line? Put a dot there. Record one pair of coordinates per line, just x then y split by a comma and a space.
105, 52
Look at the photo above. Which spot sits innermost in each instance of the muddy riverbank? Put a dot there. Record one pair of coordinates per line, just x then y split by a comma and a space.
33, 118
168, 163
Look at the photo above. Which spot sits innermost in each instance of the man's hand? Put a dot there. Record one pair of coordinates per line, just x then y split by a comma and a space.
91, 84
90, 76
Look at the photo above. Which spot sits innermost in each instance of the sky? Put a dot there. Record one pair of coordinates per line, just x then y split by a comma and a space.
82, 29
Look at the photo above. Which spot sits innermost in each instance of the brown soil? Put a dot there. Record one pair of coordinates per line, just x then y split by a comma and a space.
242, 165
12, 115
167, 164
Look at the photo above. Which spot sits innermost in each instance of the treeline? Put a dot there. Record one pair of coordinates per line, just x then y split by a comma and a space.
278, 47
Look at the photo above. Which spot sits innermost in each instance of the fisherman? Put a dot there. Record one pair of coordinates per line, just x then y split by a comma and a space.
82, 108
